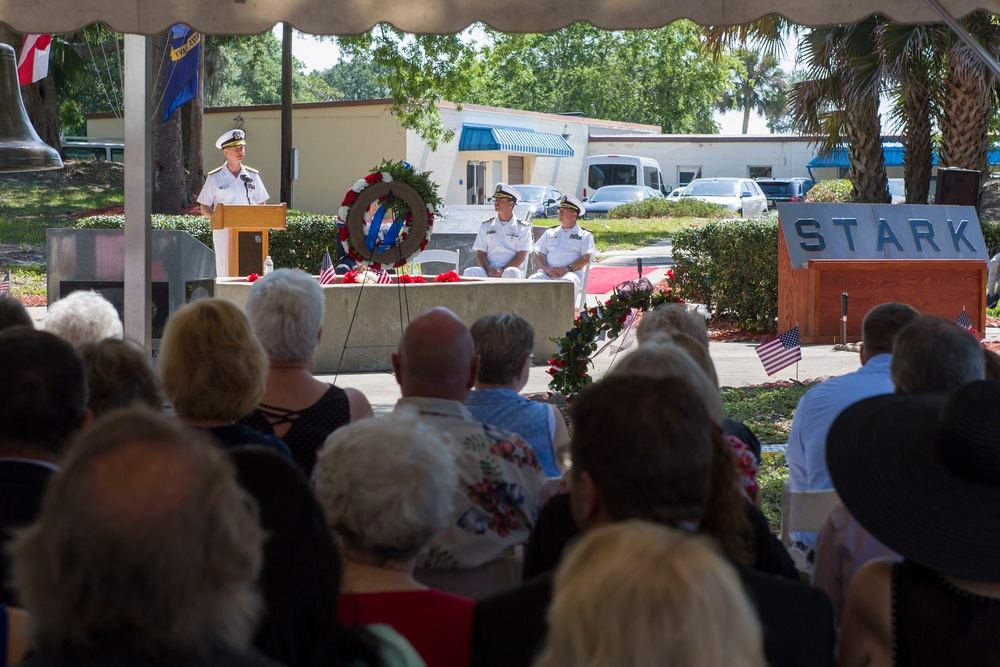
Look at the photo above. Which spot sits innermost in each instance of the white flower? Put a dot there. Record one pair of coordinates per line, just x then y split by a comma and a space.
387, 177
430, 209
342, 213
360, 185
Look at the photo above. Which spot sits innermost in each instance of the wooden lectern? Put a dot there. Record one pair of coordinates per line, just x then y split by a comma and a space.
240, 236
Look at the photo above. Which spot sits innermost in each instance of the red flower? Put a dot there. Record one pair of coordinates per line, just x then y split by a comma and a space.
372, 178
424, 244
344, 232
253, 277
449, 277
552, 371
349, 198
670, 274
350, 277
482, 494
504, 523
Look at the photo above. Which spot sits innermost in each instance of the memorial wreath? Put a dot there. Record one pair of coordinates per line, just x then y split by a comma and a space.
397, 188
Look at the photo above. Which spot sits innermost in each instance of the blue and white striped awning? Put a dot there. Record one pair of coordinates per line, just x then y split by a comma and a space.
512, 140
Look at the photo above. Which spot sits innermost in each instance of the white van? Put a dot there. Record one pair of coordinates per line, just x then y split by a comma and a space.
604, 170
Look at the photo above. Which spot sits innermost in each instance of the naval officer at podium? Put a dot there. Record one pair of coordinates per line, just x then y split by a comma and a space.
233, 182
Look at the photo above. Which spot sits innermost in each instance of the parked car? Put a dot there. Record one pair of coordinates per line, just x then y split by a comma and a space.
610, 196
675, 194
740, 195
784, 190
897, 190
541, 201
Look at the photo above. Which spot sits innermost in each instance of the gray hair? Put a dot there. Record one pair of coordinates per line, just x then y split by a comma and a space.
83, 317
671, 317
503, 342
286, 310
387, 485
935, 354
146, 547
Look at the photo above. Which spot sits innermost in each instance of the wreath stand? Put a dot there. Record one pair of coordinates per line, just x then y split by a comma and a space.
406, 236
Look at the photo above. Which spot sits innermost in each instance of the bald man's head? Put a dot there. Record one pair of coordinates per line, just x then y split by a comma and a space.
436, 357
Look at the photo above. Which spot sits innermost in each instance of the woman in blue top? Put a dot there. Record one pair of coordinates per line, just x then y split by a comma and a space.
504, 342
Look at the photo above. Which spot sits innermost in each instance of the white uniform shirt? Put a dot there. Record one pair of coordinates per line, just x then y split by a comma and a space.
561, 247
221, 187
502, 240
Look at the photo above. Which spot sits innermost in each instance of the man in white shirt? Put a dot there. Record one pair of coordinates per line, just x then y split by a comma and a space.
503, 241
562, 252
233, 182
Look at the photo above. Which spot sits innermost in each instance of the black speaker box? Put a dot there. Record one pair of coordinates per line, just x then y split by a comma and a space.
957, 187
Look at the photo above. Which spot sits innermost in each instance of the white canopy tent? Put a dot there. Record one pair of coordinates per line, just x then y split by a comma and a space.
140, 18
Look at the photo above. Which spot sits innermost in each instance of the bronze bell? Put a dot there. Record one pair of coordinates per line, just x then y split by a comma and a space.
21, 149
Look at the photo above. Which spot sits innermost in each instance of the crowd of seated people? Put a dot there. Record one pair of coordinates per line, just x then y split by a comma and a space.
228, 508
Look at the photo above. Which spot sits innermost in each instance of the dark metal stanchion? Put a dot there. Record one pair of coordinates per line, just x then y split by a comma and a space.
843, 318
638, 265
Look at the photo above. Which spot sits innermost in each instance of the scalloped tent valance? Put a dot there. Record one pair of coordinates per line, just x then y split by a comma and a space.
346, 17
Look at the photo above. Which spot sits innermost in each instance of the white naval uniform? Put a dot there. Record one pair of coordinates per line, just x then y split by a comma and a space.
561, 247
221, 187
501, 241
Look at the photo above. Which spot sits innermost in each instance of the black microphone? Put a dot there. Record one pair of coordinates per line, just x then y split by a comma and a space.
246, 185
245, 178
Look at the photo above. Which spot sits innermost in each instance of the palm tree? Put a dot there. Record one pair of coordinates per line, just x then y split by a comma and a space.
970, 96
839, 99
758, 84
913, 56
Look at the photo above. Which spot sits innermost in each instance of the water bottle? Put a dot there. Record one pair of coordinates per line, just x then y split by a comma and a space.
268, 265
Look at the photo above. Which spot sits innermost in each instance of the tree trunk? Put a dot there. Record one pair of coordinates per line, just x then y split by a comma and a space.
966, 116
39, 98
918, 149
170, 192
193, 119
867, 173
746, 117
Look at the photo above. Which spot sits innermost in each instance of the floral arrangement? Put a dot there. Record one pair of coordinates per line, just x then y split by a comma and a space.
406, 278
388, 172
569, 368
252, 278
449, 277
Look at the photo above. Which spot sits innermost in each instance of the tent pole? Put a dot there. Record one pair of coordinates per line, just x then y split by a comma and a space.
138, 188
966, 38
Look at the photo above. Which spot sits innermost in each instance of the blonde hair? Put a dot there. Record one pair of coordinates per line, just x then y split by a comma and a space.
211, 364
660, 358
637, 594
670, 318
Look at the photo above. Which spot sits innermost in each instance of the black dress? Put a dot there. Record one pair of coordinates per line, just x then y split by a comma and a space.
309, 426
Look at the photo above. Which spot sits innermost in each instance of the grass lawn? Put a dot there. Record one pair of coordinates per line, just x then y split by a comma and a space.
633, 233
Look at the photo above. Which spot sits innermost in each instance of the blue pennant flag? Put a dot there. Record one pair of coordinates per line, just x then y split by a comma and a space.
182, 70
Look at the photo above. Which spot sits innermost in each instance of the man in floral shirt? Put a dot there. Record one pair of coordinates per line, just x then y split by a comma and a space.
501, 483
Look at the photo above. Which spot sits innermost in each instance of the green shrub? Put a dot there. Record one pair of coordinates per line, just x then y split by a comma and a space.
731, 267
663, 208
991, 235
834, 191
301, 245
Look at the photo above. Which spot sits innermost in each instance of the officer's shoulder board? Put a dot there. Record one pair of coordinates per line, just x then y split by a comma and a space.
487, 221
215, 171
251, 169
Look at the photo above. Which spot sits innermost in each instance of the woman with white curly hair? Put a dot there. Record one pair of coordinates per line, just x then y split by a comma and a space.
386, 486
83, 317
286, 310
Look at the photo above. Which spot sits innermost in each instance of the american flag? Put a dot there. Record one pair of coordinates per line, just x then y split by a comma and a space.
780, 352
382, 277
5, 285
327, 276
964, 321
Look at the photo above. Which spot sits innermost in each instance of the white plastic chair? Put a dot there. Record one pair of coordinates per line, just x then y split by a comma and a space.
445, 256
804, 512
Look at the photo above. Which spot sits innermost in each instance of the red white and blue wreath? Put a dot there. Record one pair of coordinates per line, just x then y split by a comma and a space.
387, 217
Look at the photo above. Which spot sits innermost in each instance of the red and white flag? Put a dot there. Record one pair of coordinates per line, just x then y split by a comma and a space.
780, 352
382, 277
34, 63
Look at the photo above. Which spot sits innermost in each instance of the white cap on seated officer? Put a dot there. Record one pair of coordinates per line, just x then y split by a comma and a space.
232, 138
571, 203
504, 191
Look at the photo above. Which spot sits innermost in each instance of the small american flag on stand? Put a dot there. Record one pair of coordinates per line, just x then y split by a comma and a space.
382, 277
5, 285
780, 352
327, 276
964, 321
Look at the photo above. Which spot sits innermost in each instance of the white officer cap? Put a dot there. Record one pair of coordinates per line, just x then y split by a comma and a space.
572, 203
504, 191
232, 138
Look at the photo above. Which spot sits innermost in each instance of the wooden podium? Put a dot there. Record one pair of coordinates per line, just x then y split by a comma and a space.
240, 236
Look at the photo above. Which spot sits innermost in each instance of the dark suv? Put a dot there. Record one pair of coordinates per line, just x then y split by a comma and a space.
784, 189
